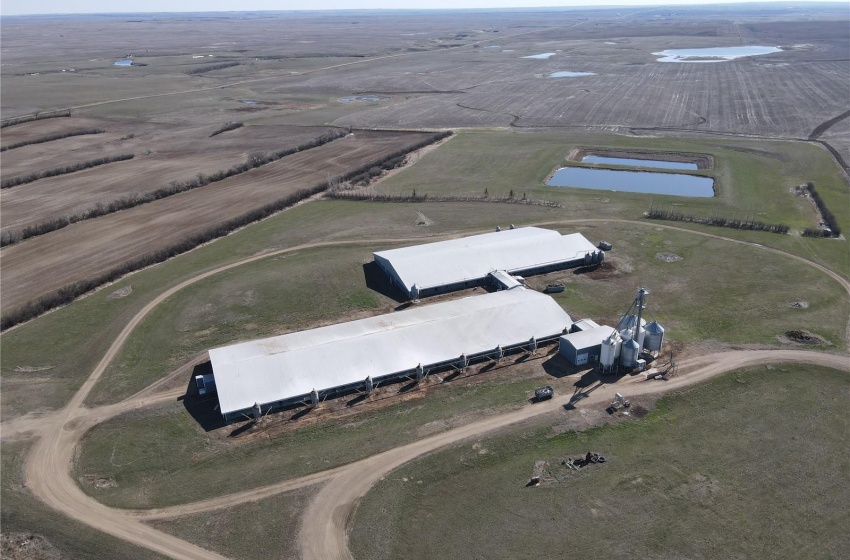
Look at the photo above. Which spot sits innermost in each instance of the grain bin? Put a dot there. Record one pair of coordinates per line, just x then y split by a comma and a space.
654, 337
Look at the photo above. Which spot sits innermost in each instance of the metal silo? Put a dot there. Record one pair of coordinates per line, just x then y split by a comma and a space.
654, 337
610, 351
629, 354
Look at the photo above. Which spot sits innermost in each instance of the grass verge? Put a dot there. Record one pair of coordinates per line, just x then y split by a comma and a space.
23, 513
750, 465
263, 529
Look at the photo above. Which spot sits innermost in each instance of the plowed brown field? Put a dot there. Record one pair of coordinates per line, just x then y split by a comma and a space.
41, 265
164, 154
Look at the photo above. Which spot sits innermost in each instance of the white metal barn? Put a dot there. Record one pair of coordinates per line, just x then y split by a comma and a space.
445, 266
296, 367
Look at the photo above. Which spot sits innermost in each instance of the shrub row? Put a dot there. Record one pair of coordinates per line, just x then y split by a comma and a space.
15, 181
719, 221
227, 126
52, 137
372, 197
211, 67
175, 187
36, 117
832, 228
69, 293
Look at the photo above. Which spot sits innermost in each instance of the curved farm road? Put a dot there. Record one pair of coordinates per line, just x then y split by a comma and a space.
325, 522
48, 473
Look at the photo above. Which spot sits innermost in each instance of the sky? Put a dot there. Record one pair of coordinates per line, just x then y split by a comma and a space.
17, 7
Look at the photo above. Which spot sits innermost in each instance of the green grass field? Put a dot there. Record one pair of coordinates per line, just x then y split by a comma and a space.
750, 465
264, 529
751, 178
22, 512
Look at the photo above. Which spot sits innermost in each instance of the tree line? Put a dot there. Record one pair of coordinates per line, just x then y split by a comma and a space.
211, 67
23, 179
227, 126
36, 117
832, 228
747, 223
373, 197
52, 137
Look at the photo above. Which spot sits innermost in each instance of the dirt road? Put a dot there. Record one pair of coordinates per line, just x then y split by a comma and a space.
325, 522
48, 467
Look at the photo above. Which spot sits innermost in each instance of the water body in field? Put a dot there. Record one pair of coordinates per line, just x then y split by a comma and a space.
123, 62
360, 98
645, 182
250, 101
715, 54
660, 164
566, 74
541, 56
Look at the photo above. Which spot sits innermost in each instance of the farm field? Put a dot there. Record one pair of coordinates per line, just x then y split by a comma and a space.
170, 154
43, 265
108, 450
699, 476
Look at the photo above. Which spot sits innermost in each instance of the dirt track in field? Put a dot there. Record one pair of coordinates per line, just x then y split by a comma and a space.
43, 264
326, 519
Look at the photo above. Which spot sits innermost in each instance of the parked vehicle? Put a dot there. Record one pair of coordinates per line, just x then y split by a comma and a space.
543, 393
554, 288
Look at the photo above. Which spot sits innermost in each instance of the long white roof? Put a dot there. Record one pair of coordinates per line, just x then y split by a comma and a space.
469, 258
291, 365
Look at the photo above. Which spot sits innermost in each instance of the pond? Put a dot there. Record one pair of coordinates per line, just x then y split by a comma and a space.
567, 74
123, 62
714, 54
541, 56
633, 181
660, 164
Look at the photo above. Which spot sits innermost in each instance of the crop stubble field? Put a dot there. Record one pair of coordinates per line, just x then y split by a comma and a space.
166, 154
427, 71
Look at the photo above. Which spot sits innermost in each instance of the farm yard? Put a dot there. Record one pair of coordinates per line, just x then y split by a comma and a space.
274, 152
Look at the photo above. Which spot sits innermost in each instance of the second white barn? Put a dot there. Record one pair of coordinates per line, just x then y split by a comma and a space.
445, 266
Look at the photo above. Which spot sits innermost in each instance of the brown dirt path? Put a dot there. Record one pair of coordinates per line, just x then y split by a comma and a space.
48, 467
324, 527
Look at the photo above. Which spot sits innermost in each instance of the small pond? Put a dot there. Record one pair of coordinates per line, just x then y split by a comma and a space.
360, 98
633, 181
660, 164
249, 101
567, 74
123, 62
714, 54
541, 56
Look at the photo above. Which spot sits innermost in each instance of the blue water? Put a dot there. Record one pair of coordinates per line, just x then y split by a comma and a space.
641, 162
541, 56
633, 181
570, 74
716, 54
250, 101
123, 62
360, 98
